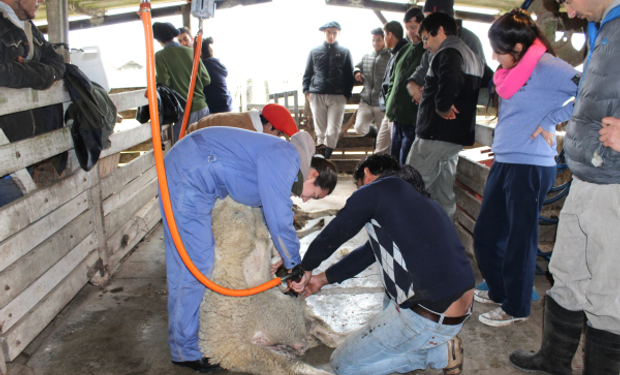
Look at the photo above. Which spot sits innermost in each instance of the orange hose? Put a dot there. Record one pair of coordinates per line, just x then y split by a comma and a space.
192, 85
145, 14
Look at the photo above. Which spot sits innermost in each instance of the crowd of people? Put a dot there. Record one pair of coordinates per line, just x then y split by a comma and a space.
421, 85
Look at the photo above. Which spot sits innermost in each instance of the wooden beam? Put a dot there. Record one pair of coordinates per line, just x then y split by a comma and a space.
117, 218
381, 17
19, 214
485, 134
17, 100
129, 100
121, 196
22, 178
127, 173
17, 308
126, 139
35, 321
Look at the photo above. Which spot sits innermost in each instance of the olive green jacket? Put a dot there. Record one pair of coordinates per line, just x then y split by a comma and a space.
398, 105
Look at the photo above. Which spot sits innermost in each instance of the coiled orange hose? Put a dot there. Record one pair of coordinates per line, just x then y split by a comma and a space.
145, 15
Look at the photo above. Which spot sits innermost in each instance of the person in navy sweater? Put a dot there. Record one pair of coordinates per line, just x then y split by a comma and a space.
216, 94
425, 271
533, 86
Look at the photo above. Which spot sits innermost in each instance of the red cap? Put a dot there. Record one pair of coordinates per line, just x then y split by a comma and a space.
280, 118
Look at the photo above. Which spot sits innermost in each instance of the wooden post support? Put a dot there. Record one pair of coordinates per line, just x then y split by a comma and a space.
96, 203
3, 370
186, 13
58, 25
21, 178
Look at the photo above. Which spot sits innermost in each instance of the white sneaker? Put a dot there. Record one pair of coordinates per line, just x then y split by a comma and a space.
499, 318
482, 296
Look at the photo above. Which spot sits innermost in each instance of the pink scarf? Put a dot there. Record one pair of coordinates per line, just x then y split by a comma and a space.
509, 81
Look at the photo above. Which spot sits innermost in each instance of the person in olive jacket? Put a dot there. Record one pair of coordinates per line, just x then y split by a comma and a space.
327, 84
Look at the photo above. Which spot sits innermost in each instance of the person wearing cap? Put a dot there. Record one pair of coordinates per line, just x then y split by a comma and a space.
185, 37
256, 170
274, 119
328, 84
173, 67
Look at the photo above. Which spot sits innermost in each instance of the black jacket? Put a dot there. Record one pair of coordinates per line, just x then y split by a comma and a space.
329, 71
41, 67
216, 93
454, 78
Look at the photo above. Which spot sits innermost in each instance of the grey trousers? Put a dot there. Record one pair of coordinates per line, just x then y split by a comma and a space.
384, 137
436, 162
328, 112
366, 115
193, 117
585, 263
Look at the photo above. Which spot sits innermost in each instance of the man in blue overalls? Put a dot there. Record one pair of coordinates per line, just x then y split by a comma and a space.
256, 170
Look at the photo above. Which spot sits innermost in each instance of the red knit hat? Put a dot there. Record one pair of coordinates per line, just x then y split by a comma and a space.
280, 118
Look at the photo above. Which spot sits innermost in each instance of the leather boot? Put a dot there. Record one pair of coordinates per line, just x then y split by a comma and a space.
328, 152
602, 353
561, 334
455, 357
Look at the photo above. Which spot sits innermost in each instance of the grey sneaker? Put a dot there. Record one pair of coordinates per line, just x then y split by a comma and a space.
499, 318
482, 296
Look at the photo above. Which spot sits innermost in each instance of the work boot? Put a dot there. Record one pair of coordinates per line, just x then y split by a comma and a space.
201, 365
602, 353
372, 133
328, 152
561, 333
455, 357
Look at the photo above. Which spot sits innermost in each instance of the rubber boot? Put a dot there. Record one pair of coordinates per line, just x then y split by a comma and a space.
561, 334
602, 353
328, 152
372, 133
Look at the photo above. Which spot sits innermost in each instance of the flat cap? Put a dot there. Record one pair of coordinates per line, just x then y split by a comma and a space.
333, 24
442, 6
164, 32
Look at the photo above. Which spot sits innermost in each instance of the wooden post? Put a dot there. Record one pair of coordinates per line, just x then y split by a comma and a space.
3, 370
186, 10
58, 25
95, 201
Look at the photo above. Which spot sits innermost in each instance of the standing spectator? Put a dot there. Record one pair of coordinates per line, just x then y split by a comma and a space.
216, 93
399, 108
28, 61
173, 65
585, 258
327, 84
370, 71
416, 81
447, 113
185, 37
533, 86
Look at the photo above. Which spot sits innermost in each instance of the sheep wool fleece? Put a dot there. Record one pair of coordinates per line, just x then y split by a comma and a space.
256, 170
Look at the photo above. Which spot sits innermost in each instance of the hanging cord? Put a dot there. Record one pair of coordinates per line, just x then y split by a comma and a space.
192, 84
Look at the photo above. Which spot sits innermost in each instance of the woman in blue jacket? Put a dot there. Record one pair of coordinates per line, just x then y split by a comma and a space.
533, 86
256, 170
216, 93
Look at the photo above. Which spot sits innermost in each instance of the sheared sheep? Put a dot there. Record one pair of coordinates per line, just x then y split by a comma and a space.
261, 334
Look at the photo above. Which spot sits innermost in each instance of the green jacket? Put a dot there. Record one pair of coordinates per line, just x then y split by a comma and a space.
398, 105
173, 66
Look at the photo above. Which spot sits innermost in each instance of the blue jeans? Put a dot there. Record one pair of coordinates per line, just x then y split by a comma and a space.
9, 191
396, 340
506, 232
403, 136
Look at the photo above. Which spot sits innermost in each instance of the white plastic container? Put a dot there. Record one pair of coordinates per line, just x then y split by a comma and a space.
88, 59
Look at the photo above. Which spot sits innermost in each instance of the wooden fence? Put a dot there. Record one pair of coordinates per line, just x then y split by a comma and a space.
55, 239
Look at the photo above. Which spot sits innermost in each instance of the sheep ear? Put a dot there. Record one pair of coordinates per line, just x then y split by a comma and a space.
261, 339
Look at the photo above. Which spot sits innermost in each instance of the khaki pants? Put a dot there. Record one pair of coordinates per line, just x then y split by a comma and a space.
328, 112
384, 138
586, 257
366, 115
436, 162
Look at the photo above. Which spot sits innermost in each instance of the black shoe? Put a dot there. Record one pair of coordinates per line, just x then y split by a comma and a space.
561, 334
201, 365
372, 132
602, 353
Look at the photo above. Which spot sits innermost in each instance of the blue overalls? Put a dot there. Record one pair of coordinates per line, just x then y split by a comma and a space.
256, 170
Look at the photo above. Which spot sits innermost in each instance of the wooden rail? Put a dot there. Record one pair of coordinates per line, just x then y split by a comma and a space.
55, 239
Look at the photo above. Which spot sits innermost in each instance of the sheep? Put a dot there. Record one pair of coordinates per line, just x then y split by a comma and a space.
260, 334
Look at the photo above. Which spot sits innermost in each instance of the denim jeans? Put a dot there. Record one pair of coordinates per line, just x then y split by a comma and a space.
396, 340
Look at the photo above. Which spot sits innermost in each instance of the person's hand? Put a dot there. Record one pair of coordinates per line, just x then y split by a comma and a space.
20, 59
275, 266
415, 91
308, 95
547, 136
449, 115
315, 284
359, 77
610, 133
299, 286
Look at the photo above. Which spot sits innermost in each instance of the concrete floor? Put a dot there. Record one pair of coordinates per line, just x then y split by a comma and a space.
122, 329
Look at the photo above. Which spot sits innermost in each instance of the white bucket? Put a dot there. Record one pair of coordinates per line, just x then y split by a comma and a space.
88, 59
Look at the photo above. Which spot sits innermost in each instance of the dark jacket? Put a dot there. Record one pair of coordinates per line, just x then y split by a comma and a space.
41, 67
372, 66
216, 93
387, 77
398, 106
454, 78
329, 70
598, 97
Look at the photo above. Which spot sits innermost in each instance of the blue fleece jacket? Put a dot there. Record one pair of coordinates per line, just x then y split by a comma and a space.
541, 101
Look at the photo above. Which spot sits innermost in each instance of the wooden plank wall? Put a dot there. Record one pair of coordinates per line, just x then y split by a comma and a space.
56, 239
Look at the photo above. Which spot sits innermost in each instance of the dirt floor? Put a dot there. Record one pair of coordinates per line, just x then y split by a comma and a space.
122, 329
